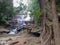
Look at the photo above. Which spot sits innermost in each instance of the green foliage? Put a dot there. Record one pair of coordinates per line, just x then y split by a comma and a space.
58, 5
37, 15
35, 10
5, 9
4, 19
35, 4
20, 7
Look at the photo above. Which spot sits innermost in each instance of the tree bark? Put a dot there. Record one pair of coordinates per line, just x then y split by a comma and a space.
55, 24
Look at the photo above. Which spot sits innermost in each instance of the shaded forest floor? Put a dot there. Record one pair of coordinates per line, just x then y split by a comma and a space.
22, 38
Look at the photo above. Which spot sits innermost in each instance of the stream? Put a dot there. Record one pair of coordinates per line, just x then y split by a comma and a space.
21, 23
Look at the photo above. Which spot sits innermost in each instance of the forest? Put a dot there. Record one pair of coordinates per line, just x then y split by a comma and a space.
29, 22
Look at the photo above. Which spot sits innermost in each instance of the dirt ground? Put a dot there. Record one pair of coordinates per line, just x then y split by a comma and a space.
23, 38
19, 40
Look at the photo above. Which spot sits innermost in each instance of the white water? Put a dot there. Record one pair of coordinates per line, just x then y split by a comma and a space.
20, 22
13, 31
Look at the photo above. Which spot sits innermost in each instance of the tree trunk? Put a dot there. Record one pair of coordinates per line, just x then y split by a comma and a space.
55, 24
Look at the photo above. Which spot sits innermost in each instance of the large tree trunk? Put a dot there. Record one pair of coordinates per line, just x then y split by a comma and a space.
55, 24
40, 4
